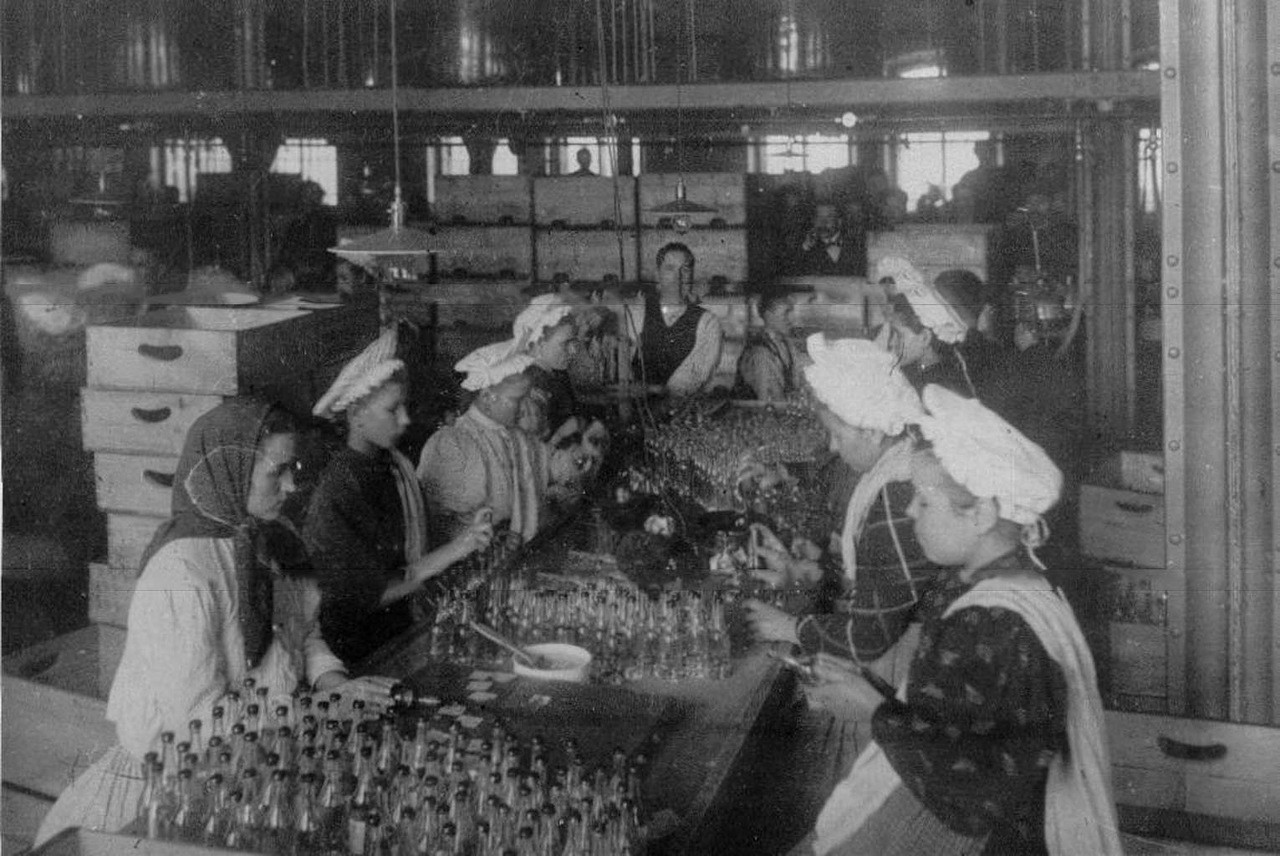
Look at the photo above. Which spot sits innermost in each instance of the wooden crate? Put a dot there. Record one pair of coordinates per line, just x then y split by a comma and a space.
584, 255
1147, 641
1223, 776
110, 593
494, 199
138, 484
569, 201
136, 421
1124, 526
128, 536
720, 255
273, 353
725, 191
932, 248
54, 723
505, 251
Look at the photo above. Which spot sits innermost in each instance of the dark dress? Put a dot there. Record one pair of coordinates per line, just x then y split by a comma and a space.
355, 532
555, 394
985, 713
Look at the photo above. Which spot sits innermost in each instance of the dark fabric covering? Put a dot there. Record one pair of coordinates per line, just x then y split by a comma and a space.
355, 532
985, 714
210, 496
556, 390
1044, 398
664, 348
882, 588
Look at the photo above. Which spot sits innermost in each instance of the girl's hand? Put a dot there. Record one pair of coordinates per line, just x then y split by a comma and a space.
839, 687
477, 535
770, 624
803, 548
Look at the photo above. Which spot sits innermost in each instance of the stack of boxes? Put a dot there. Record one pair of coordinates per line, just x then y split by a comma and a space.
1122, 527
150, 379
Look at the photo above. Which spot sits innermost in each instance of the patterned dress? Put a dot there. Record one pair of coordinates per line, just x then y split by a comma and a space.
984, 715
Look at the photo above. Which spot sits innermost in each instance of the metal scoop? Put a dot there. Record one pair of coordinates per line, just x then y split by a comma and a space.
533, 661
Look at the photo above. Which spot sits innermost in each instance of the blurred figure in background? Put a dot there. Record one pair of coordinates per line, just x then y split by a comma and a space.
769, 368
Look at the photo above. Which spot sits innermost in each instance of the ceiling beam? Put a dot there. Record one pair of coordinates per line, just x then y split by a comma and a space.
741, 98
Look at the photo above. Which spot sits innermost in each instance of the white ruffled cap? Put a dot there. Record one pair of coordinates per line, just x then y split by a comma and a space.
989, 457
930, 306
492, 364
858, 381
370, 369
545, 310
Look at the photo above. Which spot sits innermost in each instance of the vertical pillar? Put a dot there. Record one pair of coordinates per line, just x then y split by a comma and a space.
1220, 335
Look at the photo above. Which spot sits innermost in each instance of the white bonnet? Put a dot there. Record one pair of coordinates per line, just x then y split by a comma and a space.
858, 381
933, 310
367, 371
989, 457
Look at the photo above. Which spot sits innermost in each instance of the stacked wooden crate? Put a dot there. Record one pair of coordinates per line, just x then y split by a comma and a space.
484, 226
1122, 526
584, 228
150, 379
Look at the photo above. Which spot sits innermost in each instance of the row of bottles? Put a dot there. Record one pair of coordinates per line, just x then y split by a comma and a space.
699, 459
677, 636
307, 780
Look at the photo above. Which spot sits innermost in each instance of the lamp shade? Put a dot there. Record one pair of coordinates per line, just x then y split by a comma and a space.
682, 205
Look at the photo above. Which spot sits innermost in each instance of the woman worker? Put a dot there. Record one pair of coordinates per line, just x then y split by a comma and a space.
366, 525
866, 404
547, 332
929, 331
215, 604
995, 742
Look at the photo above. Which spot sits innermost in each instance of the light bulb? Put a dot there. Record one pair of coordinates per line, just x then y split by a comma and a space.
681, 223
849, 119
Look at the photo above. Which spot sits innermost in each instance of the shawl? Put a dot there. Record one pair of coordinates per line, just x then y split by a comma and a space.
210, 498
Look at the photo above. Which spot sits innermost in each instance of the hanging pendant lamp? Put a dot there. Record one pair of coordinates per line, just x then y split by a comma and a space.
382, 248
681, 206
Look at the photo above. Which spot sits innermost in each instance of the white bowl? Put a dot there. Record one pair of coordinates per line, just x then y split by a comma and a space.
569, 663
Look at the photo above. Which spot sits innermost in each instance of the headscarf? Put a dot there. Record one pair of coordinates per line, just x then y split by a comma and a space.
210, 500
490, 365
859, 383
933, 310
370, 369
990, 458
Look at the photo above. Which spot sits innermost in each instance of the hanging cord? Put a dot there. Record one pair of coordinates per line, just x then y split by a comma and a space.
609, 124
1034, 535
964, 368
897, 544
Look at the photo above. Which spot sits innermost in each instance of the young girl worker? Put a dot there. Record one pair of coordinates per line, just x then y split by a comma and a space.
995, 743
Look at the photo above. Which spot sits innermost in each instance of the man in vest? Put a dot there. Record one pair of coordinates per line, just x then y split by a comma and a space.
678, 342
